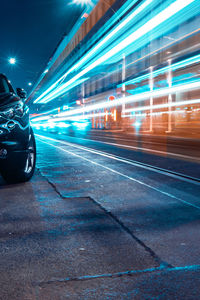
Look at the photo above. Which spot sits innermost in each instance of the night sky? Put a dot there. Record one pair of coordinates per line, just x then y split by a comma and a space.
30, 31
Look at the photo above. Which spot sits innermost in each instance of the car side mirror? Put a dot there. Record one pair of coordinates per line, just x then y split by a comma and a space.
21, 93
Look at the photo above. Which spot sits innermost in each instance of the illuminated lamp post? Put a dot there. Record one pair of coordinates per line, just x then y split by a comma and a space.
82, 2
12, 61
151, 100
78, 102
169, 99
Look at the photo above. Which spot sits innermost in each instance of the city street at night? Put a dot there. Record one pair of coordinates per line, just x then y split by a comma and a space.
100, 150
91, 224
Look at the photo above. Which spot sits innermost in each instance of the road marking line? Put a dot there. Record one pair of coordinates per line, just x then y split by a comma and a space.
116, 137
146, 149
158, 170
116, 172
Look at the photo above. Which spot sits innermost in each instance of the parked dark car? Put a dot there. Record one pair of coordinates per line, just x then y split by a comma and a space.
17, 142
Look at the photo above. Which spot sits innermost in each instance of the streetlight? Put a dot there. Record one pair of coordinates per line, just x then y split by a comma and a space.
82, 2
90, 2
12, 61
30, 83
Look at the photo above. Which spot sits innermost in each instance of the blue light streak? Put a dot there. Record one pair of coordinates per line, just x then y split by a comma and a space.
161, 17
173, 67
81, 112
80, 63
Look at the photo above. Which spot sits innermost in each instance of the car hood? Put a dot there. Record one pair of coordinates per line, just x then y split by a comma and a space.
7, 99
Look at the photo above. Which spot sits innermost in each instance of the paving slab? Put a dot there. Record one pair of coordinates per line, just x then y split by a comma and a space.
44, 237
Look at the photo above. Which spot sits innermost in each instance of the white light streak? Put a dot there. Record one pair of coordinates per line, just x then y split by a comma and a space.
165, 105
98, 46
148, 26
130, 99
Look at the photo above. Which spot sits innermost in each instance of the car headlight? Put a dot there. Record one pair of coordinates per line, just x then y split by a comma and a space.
15, 111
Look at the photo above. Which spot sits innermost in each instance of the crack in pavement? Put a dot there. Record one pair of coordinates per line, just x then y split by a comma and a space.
106, 275
113, 217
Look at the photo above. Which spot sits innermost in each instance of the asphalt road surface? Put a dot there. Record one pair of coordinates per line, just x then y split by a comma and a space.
106, 216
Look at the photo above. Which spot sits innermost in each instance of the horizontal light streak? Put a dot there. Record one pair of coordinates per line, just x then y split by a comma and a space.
126, 100
135, 98
155, 113
148, 26
76, 118
173, 67
165, 105
83, 117
185, 63
67, 88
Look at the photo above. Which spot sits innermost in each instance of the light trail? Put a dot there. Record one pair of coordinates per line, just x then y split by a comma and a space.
173, 67
144, 29
98, 46
41, 138
149, 54
134, 99
166, 105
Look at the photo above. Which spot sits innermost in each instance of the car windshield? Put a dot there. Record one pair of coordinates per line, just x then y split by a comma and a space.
4, 88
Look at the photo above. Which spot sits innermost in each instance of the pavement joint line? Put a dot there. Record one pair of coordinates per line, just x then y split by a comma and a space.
148, 150
97, 276
145, 149
50, 183
162, 171
127, 230
156, 270
116, 137
115, 218
118, 173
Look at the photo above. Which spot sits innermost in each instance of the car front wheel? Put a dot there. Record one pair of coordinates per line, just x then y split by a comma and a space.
15, 173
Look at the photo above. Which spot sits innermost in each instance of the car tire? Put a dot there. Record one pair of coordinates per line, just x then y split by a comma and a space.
17, 174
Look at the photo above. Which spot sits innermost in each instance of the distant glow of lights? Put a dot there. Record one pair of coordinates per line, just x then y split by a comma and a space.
81, 125
42, 118
30, 83
137, 124
51, 124
62, 125
12, 61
